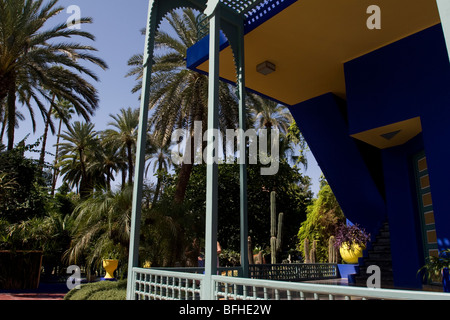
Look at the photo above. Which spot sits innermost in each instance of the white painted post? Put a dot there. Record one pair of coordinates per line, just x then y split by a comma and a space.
212, 167
444, 12
242, 152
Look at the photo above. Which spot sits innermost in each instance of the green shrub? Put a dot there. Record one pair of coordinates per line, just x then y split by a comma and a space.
322, 220
102, 290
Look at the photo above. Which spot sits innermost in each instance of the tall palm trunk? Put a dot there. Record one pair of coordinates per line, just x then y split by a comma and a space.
130, 164
3, 111
186, 168
158, 184
55, 169
108, 179
44, 137
84, 183
4, 86
11, 106
184, 175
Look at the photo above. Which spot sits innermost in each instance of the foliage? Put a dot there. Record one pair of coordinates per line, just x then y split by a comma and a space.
30, 218
102, 290
167, 235
23, 190
124, 137
49, 233
101, 228
229, 258
269, 114
35, 62
293, 196
435, 265
323, 218
179, 96
351, 234
295, 139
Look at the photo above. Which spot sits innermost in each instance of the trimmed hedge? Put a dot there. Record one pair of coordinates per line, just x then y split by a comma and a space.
102, 290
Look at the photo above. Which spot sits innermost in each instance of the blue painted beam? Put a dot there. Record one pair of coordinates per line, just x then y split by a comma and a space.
325, 129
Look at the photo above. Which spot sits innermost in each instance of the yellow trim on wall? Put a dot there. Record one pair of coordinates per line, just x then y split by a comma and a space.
401, 132
311, 39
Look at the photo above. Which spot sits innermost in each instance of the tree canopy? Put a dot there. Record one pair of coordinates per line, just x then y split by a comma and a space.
293, 196
323, 217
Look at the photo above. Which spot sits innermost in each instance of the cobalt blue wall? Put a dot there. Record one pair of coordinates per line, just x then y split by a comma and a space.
398, 81
403, 216
322, 122
406, 79
403, 80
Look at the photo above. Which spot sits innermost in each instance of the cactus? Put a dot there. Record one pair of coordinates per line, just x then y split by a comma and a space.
312, 253
306, 249
275, 229
250, 251
333, 254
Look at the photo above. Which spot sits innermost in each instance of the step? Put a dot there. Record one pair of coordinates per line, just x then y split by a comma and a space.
384, 271
380, 247
379, 255
385, 276
383, 234
384, 241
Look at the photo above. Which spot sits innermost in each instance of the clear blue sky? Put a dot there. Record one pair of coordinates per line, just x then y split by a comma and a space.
116, 26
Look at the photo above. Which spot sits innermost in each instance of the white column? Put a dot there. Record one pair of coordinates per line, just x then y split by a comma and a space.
243, 164
444, 12
212, 167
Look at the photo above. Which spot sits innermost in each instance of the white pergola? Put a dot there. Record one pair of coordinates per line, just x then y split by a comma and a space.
228, 15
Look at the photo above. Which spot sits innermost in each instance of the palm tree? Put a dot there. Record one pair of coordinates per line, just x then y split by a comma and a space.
80, 87
108, 161
101, 226
160, 156
80, 143
29, 54
19, 117
269, 114
124, 136
64, 113
179, 96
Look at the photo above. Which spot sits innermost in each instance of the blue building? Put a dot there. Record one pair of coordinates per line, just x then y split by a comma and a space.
368, 83
369, 88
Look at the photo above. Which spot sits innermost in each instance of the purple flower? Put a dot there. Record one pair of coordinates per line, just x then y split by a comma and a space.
351, 234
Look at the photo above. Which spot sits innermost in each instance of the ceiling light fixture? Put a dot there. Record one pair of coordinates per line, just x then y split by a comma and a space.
266, 68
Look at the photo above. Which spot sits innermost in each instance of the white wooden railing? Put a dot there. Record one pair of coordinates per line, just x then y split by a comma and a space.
154, 284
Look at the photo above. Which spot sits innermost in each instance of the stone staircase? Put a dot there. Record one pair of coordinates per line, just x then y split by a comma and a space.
378, 253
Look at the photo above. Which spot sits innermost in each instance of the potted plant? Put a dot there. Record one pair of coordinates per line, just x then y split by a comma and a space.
438, 268
110, 262
110, 265
351, 240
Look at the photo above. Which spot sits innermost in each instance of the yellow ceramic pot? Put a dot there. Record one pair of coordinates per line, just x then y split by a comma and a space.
110, 265
350, 254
